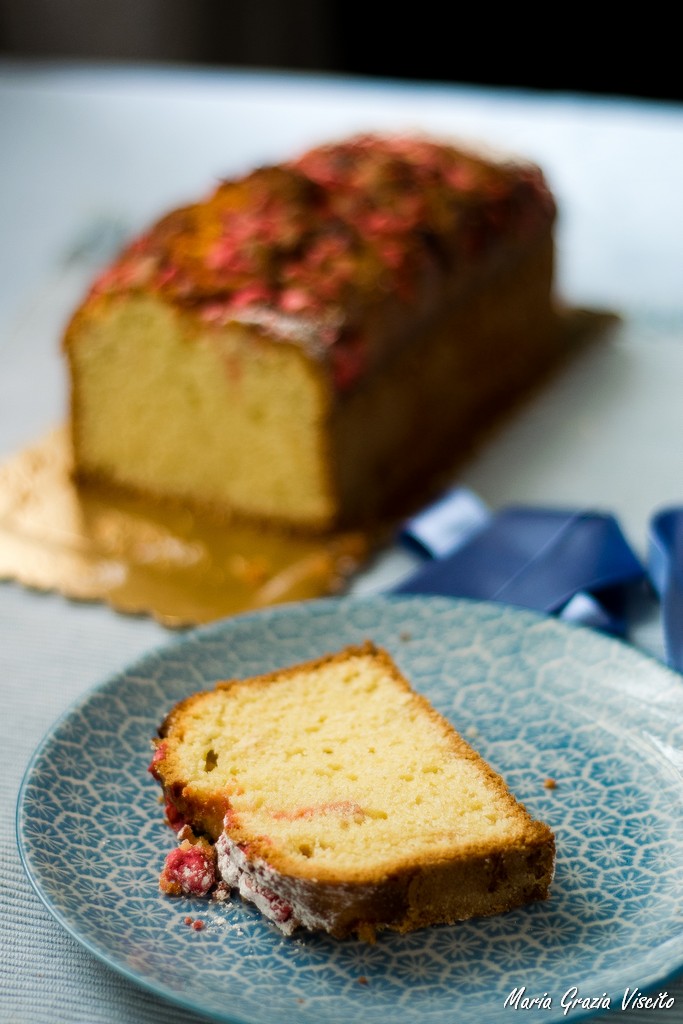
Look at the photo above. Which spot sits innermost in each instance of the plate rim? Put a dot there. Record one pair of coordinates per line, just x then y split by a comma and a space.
186, 637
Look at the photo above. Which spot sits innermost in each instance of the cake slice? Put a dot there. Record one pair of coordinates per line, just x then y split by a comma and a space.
336, 798
310, 343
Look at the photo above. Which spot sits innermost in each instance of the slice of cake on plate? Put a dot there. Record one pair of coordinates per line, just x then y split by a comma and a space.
336, 798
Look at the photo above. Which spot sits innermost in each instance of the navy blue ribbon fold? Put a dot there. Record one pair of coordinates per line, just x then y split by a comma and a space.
665, 563
574, 564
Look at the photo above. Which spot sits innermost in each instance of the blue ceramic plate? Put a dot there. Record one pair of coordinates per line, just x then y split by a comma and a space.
537, 698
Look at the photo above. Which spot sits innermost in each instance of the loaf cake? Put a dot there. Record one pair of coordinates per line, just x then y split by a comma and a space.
313, 341
336, 798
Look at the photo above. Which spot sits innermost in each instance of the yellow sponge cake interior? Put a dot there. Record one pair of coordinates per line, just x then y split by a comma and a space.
229, 415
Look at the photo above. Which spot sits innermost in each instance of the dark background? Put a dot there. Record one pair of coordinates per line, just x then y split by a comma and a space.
601, 51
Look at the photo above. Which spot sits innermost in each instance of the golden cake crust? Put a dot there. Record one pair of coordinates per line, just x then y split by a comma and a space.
333, 249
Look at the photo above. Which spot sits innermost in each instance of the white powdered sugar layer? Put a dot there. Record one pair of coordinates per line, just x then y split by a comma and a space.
284, 900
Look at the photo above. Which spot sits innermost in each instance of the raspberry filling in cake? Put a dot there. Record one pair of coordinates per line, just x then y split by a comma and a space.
190, 869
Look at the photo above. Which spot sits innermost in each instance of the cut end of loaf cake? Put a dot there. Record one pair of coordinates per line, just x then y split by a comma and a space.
339, 799
229, 421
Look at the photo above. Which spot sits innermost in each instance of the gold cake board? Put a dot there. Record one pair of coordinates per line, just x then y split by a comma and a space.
92, 545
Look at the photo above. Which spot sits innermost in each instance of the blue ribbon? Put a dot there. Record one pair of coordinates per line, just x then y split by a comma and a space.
574, 564
665, 563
